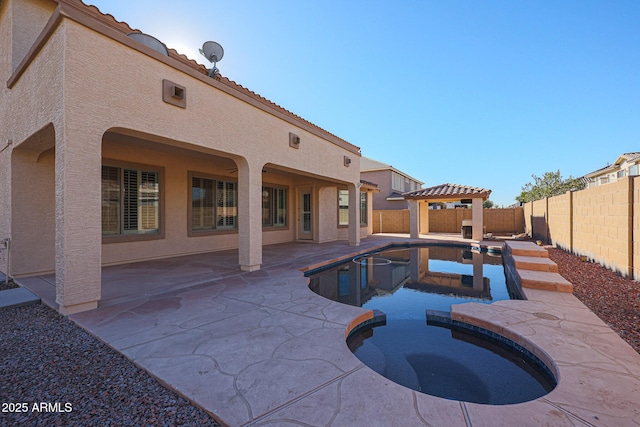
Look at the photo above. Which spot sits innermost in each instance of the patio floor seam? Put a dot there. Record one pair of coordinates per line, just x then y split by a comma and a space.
302, 396
567, 412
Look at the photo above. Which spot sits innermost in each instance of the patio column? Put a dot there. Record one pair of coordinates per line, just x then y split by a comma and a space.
477, 222
354, 215
78, 159
414, 219
249, 215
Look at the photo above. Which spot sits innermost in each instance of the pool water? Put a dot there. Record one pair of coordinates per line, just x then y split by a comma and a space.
435, 358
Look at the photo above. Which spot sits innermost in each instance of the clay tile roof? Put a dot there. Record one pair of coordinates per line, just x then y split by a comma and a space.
125, 28
448, 192
369, 185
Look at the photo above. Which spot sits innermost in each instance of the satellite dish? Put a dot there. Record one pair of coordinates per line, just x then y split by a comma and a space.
150, 41
214, 53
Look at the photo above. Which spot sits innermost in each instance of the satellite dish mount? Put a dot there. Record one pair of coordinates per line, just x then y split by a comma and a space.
214, 53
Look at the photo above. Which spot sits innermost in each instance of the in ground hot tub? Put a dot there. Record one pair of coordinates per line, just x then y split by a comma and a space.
413, 340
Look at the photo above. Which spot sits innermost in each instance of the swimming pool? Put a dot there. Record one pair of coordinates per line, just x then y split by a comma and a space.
413, 341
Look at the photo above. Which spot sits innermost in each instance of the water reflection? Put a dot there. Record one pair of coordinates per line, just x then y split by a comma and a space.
448, 271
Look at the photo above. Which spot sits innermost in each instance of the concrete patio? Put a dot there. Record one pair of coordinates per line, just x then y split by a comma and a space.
261, 349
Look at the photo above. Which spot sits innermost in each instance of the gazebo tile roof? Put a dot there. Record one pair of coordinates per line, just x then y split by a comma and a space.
448, 191
369, 185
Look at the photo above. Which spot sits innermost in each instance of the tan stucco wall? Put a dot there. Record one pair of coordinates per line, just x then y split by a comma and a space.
328, 217
129, 95
70, 88
34, 110
29, 18
5, 155
33, 234
176, 183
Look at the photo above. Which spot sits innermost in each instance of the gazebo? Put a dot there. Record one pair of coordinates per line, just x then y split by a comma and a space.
419, 205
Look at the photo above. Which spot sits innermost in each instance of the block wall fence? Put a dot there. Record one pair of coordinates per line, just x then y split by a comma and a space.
497, 221
601, 223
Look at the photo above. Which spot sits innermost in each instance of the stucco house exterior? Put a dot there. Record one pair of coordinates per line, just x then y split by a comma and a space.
627, 164
144, 156
392, 184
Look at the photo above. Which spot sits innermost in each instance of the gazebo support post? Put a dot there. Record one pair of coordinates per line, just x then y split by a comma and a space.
477, 221
414, 219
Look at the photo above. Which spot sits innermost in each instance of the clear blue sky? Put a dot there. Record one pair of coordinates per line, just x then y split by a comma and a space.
482, 93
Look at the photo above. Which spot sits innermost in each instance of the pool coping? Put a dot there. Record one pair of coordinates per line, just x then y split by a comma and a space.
294, 367
468, 315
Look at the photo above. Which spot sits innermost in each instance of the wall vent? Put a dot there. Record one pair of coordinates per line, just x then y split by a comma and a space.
294, 140
174, 94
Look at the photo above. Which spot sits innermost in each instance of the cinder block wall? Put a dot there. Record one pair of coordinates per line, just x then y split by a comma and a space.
447, 220
393, 221
559, 221
539, 230
598, 222
602, 224
497, 221
504, 221
635, 211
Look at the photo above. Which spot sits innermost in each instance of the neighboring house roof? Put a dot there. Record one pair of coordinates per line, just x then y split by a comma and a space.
448, 192
629, 157
625, 157
68, 7
370, 165
367, 163
394, 195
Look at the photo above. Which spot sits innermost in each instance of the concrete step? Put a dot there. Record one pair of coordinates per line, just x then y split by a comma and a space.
17, 297
534, 263
548, 281
527, 249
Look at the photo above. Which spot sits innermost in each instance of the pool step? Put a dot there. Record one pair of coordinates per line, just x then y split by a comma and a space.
545, 280
535, 263
528, 249
534, 268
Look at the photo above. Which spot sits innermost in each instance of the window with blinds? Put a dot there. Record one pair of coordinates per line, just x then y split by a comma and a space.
343, 207
214, 204
130, 201
274, 207
227, 204
111, 196
397, 182
202, 204
363, 208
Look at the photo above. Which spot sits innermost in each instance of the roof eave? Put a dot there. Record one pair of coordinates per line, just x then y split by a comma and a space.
108, 26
